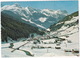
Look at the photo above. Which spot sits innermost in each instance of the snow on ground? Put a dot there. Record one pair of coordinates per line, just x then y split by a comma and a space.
38, 52
6, 52
73, 34
42, 19
74, 19
69, 30
48, 47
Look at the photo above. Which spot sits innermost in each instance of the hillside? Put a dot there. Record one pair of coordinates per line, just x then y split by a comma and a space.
68, 29
62, 22
15, 29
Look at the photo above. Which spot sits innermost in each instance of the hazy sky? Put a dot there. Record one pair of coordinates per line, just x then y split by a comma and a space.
70, 6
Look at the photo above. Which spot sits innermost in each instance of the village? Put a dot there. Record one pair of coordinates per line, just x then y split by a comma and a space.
37, 46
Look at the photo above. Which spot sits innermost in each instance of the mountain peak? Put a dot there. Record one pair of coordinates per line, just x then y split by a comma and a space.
11, 7
38, 16
16, 5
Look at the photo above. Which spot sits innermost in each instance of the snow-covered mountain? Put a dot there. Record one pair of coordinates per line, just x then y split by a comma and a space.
36, 17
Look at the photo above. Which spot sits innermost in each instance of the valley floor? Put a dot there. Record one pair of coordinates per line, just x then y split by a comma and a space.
47, 50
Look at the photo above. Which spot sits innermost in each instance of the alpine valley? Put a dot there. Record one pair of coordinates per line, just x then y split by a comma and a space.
43, 32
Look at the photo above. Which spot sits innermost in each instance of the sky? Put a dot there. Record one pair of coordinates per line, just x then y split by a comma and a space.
69, 6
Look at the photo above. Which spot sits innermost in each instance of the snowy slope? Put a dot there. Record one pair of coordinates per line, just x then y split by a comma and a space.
72, 29
54, 13
69, 31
